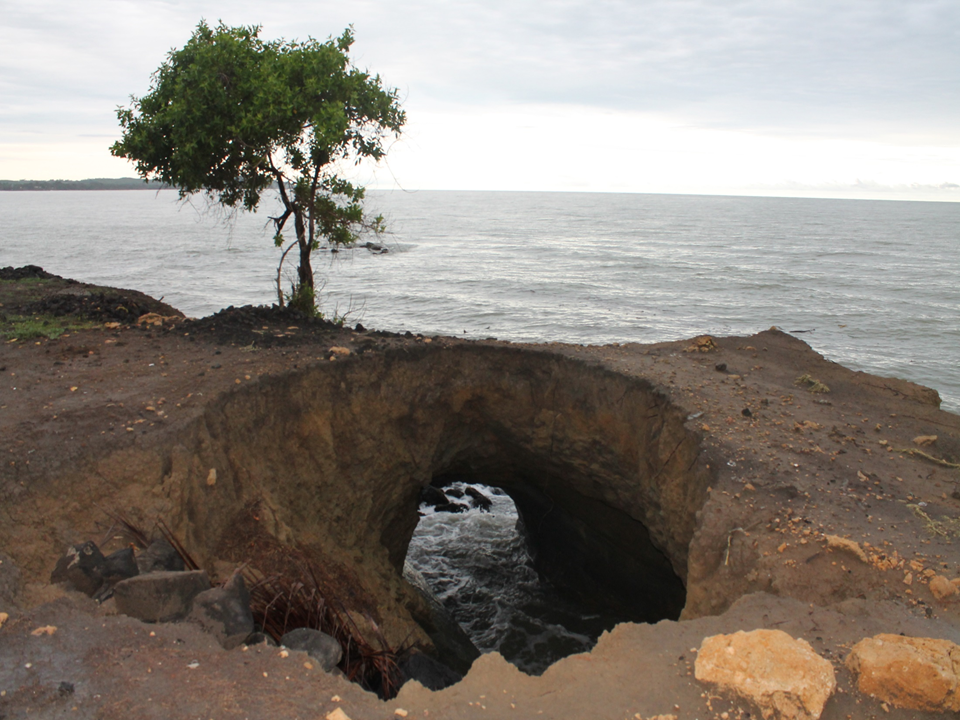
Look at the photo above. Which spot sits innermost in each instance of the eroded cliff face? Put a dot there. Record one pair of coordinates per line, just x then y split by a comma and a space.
332, 459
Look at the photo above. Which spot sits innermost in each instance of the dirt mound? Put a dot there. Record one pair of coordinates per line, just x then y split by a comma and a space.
262, 326
27, 272
93, 306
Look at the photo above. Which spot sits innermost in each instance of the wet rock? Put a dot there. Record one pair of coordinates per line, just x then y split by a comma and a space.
11, 583
479, 499
430, 673
451, 507
160, 596
318, 645
224, 612
159, 557
433, 496
784, 677
908, 672
81, 567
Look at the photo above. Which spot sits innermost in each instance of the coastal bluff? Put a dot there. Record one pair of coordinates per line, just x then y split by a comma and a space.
706, 486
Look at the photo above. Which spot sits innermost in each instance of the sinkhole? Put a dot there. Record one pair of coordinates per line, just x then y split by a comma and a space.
524, 577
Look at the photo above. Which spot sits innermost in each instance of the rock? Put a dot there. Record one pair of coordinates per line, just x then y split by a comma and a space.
224, 612
11, 583
433, 496
318, 645
838, 543
258, 638
451, 507
430, 673
160, 596
784, 677
159, 557
908, 672
942, 589
925, 440
479, 499
120, 565
81, 567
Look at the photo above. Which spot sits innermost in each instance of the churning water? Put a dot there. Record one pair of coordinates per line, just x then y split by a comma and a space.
875, 281
477, 564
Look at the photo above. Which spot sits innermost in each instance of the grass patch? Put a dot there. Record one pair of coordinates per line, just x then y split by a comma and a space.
41, 326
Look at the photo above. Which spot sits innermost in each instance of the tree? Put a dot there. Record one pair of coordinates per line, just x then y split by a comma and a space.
231, 115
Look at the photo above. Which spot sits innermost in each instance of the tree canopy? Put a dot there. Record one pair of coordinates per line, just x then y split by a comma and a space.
230, 115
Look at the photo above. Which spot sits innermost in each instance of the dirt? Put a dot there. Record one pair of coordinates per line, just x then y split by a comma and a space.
790, 467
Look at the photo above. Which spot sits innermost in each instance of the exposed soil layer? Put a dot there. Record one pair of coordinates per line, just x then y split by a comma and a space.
699, 460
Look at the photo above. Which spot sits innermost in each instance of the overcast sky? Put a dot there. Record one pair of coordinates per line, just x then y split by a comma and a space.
847, 98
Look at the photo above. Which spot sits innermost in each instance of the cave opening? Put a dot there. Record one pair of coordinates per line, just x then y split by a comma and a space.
532, 570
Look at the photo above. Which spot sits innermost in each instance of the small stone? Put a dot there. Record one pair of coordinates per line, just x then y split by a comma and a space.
321, 647
746, 412
941, 588
212, 477
838, 543
720, 367
45, 630
784, 677
908, 672
342, 351
924, 440
337, 714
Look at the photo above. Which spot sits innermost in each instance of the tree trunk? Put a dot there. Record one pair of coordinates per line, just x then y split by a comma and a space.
305, 271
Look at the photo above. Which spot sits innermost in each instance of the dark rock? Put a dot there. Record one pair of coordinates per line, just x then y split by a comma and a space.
376, 248
479, 499
451, 507
120, 565
454, 493
257, 638
11, 582
720, 367
746, 412
433, 496
360, 328
160, 596
224, 612
318, 645
65, 688
159, 557
81, 568
430, 673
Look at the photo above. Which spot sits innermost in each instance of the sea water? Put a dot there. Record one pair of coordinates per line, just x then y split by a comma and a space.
870, 284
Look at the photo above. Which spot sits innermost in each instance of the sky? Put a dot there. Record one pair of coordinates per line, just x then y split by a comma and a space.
838, 98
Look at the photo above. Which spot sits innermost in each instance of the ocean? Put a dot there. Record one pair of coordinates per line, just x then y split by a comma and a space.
870, 284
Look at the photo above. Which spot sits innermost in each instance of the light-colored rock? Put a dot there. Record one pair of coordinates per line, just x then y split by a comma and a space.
838, 543
942, 589
925, 440
784, 677
908, 672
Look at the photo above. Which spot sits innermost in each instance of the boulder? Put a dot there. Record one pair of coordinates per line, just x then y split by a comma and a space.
259, 638
479, 499
159, 557
120, 565
81, 567
224, 612
160, 596
321, 647
784, 677
908, 672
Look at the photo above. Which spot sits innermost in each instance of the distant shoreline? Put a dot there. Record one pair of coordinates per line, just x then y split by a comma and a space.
89, 184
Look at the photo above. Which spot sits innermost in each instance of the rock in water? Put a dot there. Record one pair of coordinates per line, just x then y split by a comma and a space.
784, 677
320, 646
160, 596
908, 672
225, 612
82, 567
